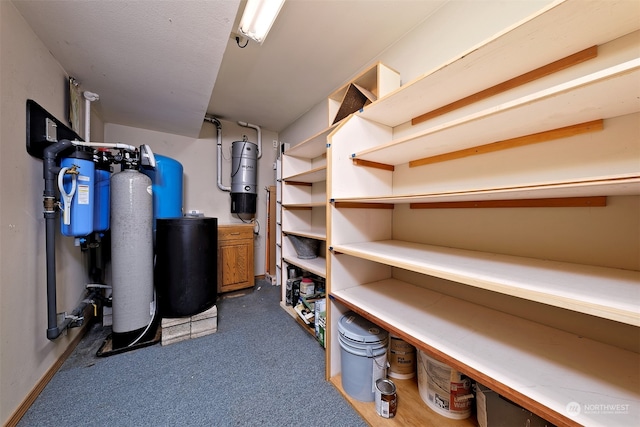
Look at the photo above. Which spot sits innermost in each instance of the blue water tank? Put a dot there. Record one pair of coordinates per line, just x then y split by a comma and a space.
81, 209
101, 208
167, 180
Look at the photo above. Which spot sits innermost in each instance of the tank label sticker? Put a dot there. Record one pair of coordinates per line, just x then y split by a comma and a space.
83, 194
149, 190
84, 178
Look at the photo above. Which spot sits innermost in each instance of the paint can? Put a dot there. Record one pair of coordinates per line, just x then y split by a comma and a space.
402, 358
386, 399
443, 389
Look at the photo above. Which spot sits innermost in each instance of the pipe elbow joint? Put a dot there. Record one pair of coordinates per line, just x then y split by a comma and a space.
53, 333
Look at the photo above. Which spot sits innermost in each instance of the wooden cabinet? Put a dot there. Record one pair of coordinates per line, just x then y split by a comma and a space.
235, 257
487, 213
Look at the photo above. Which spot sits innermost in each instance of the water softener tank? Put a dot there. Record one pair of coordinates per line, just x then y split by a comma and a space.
102, 182
131, 255
79, 218
243, 178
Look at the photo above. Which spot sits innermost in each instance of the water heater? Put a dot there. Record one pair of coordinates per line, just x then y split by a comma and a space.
243, 178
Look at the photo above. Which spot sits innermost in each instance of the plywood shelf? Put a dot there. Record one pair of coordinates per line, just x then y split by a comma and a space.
316, 266
303, 205
618, 185
603, 292
313, 146
411, 411
292, 313
318, 233
534, 365
318, 174
608, 93
507, 54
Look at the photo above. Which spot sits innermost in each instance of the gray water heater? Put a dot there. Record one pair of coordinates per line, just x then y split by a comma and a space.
244, 167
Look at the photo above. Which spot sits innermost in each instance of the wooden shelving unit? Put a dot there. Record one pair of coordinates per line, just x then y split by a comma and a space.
303, 178
464, 136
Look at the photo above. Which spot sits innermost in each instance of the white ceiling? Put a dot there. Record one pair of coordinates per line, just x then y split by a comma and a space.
162, 65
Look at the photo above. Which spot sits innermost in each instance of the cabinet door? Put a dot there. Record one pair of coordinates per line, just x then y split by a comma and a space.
235, 265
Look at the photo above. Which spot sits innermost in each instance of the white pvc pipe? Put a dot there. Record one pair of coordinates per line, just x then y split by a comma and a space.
89, 97
105, 145
218, 126
257, 128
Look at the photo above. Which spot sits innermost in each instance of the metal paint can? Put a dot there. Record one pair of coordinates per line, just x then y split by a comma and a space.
386, 398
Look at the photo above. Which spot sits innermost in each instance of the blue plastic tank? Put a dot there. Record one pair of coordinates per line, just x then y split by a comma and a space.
167, 181
101, 208
80, 213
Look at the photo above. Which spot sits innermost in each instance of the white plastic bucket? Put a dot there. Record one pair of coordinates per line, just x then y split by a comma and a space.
443, 389
363, 356
402, 358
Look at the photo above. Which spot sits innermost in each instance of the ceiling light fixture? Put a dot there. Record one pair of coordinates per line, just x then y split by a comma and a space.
258, 18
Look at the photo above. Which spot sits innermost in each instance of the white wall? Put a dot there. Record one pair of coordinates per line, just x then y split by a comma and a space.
198, 158
28, 71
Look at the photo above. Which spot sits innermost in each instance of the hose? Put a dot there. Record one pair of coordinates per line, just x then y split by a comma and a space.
66, 197
149, 325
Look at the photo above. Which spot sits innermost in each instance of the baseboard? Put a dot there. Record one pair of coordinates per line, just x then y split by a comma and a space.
40, 385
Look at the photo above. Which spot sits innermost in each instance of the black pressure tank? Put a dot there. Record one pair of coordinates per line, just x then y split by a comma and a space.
186, 270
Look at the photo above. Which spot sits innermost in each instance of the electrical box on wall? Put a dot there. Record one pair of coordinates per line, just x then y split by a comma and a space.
43, 129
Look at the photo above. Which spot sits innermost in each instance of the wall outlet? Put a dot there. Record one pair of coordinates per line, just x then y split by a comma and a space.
275, 144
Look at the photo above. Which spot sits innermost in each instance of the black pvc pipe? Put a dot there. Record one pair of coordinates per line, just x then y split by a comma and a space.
50, 172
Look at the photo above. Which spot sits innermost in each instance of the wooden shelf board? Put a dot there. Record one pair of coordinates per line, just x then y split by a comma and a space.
559, 106
310, 176
289, 309
507, 54
317, 266
319, 233
539, 367
312, 147
603, 292
304, 205
411, 411
618, 185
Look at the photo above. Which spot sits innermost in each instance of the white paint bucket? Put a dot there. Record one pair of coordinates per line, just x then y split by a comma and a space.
443, 389
363, 356
402, 358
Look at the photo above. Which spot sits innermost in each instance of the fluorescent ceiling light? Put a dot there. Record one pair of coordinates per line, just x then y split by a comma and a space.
258, 18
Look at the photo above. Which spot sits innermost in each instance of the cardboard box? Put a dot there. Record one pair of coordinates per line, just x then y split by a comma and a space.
496, 411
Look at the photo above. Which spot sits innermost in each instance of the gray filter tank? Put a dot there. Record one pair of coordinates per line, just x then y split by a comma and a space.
131, 256
243, 178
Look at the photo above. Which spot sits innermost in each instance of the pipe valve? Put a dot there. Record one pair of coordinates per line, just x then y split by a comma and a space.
73, 170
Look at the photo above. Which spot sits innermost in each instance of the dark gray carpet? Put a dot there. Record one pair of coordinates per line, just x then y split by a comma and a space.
259, 369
